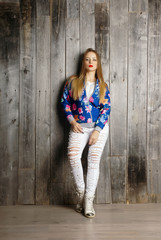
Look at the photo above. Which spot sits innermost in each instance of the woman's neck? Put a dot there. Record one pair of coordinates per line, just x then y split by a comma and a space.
90, 76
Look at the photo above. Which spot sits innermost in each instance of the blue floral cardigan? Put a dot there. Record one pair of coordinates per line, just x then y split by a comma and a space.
83, 111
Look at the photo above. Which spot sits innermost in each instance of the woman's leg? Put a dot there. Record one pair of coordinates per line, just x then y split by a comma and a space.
94, 156
77, 142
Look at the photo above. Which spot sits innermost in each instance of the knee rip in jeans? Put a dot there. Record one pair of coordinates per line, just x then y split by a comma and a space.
94, 161
95, 157
73, 155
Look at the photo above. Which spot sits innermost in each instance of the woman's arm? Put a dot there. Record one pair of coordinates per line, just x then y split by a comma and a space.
102, 118
104, 112
66, 105
65, 102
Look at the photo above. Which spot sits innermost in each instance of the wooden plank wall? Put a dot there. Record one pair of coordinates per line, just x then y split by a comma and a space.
27, 106
102, 26
154, 103
41, 45
137, 102
43, 121
58, 128
9, 102
118, 89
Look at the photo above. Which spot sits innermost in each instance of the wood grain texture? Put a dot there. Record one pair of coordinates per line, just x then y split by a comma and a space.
43, 104
10, 6
138, 5
72, 67
102, 34
10, 1
72, 37
43, 7
118, 75
9, 104
27, 103
58, 143
103, 192
118, 88
87, 25
154, 102
137, 107
118, 179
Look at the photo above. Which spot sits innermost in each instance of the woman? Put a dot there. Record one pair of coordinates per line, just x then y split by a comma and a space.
86, 104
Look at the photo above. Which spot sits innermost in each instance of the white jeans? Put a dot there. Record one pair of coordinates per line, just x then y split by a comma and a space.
76, 145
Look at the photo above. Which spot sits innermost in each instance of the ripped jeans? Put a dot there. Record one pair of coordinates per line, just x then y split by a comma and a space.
76, 145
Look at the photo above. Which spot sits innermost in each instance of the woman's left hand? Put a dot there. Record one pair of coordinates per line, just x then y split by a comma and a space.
94, 137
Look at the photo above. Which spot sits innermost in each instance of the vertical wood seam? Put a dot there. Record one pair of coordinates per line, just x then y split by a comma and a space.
127, 116
147, 99
110, 142
35, 38
50, 10
19, 105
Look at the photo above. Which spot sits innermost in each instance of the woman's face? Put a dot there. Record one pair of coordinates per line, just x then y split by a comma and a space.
90, 62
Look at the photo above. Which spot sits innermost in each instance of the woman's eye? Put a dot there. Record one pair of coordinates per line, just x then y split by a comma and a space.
87, 59
94, 59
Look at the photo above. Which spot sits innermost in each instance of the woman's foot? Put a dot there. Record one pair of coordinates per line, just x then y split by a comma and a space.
79, 207
88, 209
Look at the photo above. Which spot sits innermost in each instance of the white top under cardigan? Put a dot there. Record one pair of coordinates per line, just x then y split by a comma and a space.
89, 89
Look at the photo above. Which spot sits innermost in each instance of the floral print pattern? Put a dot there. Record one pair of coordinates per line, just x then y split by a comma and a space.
84, 111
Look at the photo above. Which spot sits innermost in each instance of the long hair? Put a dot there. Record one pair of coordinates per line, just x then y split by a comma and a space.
78, 81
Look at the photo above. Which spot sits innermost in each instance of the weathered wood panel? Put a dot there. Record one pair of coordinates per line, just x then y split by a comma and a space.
87, 25
9, 102
9, 1
72, 37
8, 6
103, 192
137, 106
118, 75
43, 7
41, 45
154, 102
102, 34
43, 103
72, 67
26, 190
138, 5
118, 179
118, 88
58, 194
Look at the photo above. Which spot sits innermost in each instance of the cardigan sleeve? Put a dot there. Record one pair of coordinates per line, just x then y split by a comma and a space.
65, 102
104, 112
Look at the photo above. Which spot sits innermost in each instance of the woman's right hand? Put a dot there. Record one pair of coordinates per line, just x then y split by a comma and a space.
76, 127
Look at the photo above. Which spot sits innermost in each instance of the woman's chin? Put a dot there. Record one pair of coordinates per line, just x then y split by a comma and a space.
90, 70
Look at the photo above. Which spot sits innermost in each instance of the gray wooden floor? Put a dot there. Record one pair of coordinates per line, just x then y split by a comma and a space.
139, 221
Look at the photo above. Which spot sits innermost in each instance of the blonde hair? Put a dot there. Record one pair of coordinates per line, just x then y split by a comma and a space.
77, 81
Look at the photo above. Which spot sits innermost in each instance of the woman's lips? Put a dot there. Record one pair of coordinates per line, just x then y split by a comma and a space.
90, 65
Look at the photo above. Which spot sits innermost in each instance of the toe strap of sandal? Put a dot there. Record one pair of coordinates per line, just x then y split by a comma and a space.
90, 214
